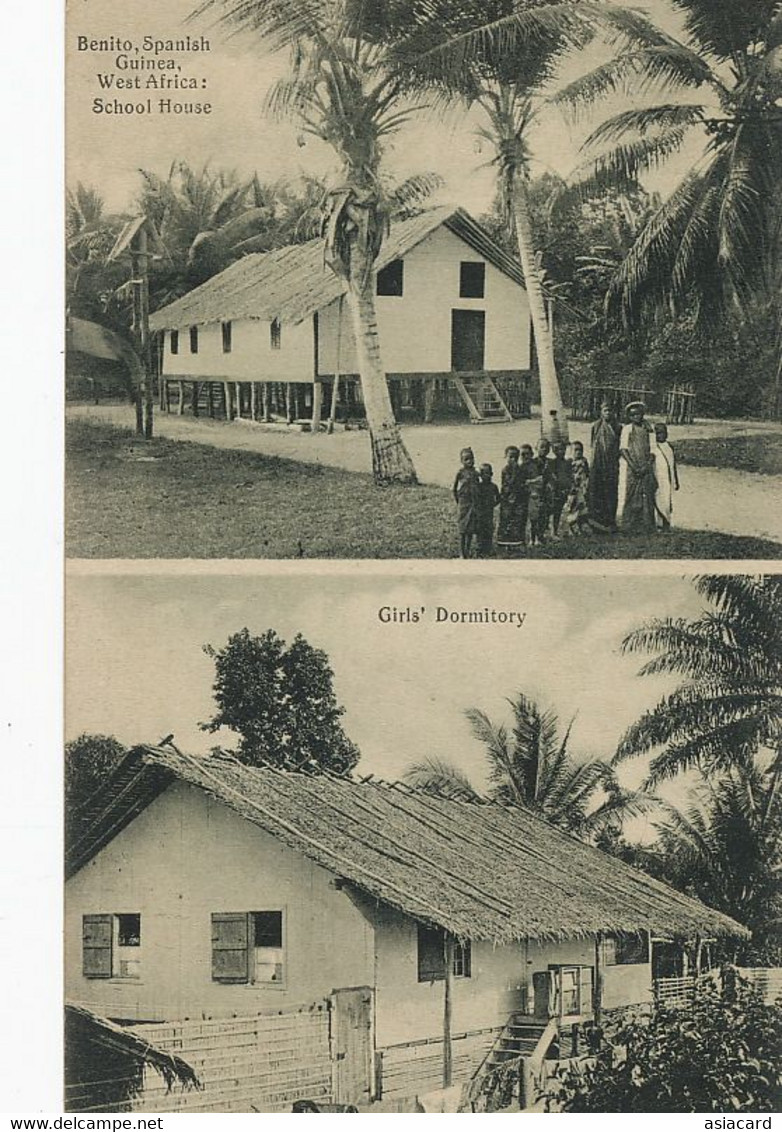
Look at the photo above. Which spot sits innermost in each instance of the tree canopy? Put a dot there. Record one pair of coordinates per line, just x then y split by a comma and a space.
280, 700
89, 759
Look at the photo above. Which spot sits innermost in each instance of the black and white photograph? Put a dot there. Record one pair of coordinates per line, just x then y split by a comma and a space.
433, 280
423, 844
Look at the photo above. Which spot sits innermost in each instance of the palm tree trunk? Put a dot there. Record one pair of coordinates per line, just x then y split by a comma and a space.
553, 427
391, 461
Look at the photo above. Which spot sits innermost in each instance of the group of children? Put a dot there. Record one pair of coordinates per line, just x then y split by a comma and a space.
540, 495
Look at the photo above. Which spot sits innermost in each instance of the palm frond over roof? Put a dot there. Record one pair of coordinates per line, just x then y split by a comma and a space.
293, 282
477, 870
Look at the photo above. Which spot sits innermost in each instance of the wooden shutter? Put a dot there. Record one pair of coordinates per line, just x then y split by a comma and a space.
431, 954
586, 978
230, 947
97, 936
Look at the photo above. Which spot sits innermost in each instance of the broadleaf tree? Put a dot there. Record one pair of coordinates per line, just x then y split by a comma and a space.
279, 698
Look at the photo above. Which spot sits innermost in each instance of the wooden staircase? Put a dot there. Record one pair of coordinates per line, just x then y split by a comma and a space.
482, 398
519, 1038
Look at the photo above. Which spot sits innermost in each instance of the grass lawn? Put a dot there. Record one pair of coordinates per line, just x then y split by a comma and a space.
759, 453
168, 499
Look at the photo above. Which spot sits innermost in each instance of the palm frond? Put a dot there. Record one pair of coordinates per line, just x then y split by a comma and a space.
441, 778
642, 121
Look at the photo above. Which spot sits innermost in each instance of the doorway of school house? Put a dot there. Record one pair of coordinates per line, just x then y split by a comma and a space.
468, 341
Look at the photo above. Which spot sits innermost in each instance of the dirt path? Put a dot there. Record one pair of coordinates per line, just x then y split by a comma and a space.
716, 499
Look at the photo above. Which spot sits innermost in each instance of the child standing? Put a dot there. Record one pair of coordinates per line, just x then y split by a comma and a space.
576, 506
666, 476
529, 471
540, 495
488, 499
510, 532
465, 493
561, 483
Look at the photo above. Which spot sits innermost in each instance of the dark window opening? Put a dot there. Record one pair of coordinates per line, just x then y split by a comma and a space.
129, 929
226, 329
623, 950
275, 334
472, 280
267, 929
431, 956
391, 279
193, 339
174, 341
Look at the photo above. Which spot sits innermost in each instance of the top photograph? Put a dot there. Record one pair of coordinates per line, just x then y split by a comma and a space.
480, 279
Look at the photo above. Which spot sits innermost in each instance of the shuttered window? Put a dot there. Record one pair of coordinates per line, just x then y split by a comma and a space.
97, 946
626, 949
275, 334
230, 947
248, 947
227, 334
174, 341
193, 339
431, 956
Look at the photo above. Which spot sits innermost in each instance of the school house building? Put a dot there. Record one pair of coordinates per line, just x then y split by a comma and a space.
271, 337
294, 936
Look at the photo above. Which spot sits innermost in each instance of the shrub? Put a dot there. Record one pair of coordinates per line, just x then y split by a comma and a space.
719, 1055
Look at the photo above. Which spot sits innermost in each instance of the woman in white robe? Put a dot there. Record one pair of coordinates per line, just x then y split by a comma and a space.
666, 476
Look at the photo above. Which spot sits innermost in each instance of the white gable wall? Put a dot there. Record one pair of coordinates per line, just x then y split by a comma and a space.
415, 330
184, 857
251, 357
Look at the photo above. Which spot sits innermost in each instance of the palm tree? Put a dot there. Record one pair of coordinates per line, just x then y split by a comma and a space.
530, 767
726, 847
205, 218
499, 58
730, 703
715, 242
341, 90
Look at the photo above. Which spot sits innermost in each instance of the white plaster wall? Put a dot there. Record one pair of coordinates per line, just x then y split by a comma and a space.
407, 1009
415, 330
183, 858
251, 357
627, 984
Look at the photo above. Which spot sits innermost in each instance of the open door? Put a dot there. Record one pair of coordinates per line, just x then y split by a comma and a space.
351, 1045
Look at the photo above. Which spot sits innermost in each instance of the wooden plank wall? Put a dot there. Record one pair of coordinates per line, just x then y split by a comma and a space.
258, 1063
417, 1067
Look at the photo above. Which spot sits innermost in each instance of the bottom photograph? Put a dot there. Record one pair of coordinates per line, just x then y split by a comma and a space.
357, 842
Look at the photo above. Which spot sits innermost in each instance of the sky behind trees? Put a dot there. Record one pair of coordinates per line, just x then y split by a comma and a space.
106, 151
136, 669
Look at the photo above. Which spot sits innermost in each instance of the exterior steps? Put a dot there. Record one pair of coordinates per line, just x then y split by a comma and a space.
482, 398
518, 1039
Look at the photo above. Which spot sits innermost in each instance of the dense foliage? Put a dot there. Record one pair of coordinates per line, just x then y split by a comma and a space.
89, 759
721, 1054
280, 700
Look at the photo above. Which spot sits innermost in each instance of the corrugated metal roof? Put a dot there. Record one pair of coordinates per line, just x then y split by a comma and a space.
291, 283
478, 870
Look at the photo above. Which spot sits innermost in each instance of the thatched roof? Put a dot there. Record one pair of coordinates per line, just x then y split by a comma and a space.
478, 870
291, 283
83, 1028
